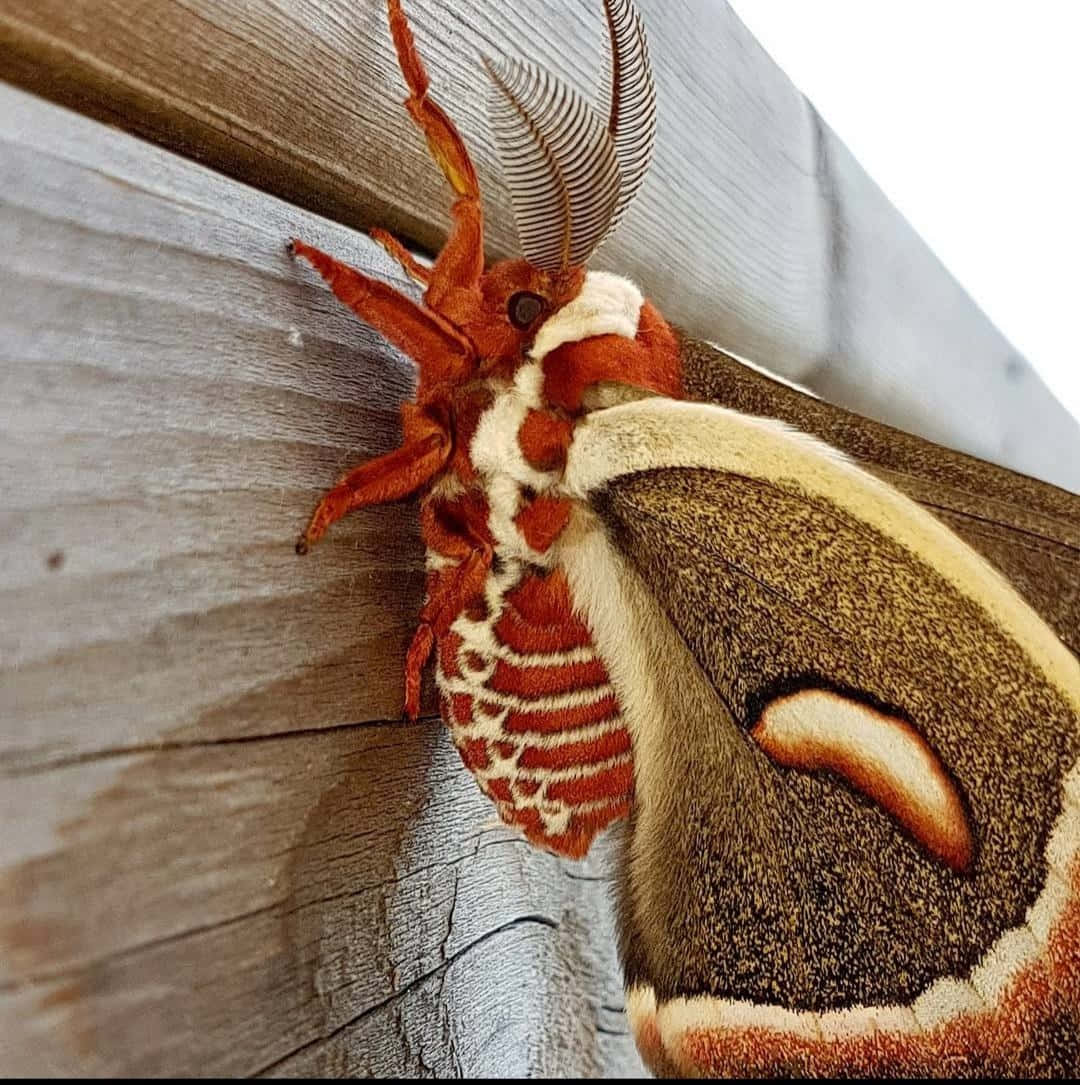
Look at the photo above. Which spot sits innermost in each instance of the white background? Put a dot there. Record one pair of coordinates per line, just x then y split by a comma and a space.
967, 114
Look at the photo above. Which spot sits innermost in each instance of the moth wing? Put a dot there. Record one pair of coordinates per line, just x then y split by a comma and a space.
1028, 530
856, 821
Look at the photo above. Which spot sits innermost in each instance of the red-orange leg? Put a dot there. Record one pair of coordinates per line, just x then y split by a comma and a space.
455, 589
440, 351
461, 262
388, 478
443, 138
419, 652
448, 596
413, 268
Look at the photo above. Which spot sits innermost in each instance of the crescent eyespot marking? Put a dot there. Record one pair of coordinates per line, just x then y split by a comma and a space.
880, 755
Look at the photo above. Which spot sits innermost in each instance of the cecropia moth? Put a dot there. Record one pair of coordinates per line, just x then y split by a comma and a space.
842, 742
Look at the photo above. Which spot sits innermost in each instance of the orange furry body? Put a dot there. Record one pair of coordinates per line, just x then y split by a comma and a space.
522, 689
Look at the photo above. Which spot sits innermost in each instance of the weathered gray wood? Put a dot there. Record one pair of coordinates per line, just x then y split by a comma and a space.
311, 904
755, 228
213, 859
176, 393
946, 373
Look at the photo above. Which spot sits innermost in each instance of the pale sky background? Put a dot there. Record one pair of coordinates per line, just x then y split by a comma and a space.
967, 114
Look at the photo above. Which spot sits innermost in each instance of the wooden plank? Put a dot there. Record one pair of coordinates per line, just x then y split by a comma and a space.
214, 859
774, 242
175, 394
944, 372
322, 904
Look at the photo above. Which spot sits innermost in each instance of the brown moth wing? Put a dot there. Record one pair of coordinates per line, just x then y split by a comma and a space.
778, 918
1027, 529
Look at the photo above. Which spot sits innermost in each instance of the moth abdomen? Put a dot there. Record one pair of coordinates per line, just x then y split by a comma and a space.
531, 710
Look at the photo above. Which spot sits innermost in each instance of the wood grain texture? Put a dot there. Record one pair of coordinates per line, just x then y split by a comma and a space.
324, 904
176, 394
774, 241
214, 857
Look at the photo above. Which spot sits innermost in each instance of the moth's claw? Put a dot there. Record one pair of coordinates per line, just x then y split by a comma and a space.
411, 708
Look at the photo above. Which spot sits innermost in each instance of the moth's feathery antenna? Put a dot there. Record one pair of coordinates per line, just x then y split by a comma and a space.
461, 262
558, 160
632, 112
571, 171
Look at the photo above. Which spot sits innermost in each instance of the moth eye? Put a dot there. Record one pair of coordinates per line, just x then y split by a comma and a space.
523, 308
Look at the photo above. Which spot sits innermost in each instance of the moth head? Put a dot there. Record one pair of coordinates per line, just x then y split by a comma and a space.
571, 169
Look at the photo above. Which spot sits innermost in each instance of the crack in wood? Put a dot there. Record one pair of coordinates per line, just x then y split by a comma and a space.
539, 920
174, 745
609, 1031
